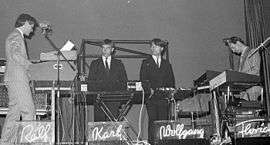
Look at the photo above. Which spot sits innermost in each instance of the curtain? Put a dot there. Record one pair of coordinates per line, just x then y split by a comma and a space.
254, 22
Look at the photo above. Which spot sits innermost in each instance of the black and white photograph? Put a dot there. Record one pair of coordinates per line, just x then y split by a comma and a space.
135, 72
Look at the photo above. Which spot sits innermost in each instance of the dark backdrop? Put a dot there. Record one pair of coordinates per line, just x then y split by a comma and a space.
266, 14
194, 28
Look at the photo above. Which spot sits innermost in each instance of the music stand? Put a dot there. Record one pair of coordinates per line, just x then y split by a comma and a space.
59, 54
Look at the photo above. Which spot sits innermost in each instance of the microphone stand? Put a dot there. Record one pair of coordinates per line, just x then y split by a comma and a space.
59, 53
266, 77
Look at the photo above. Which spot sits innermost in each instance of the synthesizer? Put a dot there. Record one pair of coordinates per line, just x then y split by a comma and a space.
234, 79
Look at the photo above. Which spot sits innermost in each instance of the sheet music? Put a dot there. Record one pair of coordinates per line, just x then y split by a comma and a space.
68, 46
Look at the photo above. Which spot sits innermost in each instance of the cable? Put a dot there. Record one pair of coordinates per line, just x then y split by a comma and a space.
140, 116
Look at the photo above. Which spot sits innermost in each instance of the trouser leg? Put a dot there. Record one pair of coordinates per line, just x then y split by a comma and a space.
152, 116
163, 110
27, 106
13, 115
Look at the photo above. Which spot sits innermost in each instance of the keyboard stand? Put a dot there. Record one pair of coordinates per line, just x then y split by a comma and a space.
100, 100
106, 97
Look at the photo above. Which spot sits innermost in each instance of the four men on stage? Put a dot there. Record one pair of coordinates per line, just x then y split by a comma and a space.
105, 74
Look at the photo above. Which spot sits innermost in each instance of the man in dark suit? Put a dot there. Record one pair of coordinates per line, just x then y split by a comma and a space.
107, 74
158, 73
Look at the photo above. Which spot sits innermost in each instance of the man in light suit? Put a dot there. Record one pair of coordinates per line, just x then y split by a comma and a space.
21, 104
107, 74
249, 64
158, 73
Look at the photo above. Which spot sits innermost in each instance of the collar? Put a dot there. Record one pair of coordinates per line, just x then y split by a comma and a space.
156, 58
20, 32
108, 58
245, 52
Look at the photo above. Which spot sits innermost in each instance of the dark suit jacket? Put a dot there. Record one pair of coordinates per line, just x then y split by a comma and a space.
155, 76
100, 80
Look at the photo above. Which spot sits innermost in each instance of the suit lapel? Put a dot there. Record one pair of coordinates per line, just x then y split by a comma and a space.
23, 43
103, 68
243, 59
153, 63
113, 64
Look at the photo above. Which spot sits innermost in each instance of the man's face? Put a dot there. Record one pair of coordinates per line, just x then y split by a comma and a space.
29, 28
235, 48
156, 50
107, 50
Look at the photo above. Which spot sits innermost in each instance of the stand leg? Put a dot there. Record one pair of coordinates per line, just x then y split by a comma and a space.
73, 118
53, 110
216, 113
266, 81
58, 116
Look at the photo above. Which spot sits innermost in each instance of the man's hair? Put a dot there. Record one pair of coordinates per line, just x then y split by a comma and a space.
107, 42
22, 18
158, 42
233, 40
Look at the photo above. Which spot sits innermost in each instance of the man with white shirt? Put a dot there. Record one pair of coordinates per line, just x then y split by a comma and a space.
21, 104
107, 74
248, 64
158, 73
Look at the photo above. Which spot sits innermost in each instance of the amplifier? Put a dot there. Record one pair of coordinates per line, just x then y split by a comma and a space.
48, 71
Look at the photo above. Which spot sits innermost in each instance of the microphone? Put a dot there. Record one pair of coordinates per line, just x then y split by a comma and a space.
45, 27
264, 44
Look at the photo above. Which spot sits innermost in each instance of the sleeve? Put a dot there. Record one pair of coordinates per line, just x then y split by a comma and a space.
91, 73
122, 76
171, 79
16, 51
91, 78
143, 72
255, 64
144, 75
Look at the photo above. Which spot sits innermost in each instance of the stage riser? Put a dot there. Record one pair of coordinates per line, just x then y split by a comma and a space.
108, 143
252, 141
184, 142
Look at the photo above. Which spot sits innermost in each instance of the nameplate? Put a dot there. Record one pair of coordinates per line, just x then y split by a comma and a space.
176, 130
252, 128
36, 132
106, 131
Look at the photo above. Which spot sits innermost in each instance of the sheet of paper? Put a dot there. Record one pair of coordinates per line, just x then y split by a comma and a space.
68, 46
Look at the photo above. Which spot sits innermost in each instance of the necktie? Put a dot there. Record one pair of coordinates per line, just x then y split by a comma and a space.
158, 62
26, 49
107, 66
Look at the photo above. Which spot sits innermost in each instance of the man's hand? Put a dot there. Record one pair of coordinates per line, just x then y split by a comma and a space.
244, 95
151, 93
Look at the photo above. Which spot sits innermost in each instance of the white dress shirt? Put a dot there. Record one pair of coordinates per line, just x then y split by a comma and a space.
108, 61
157, 59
